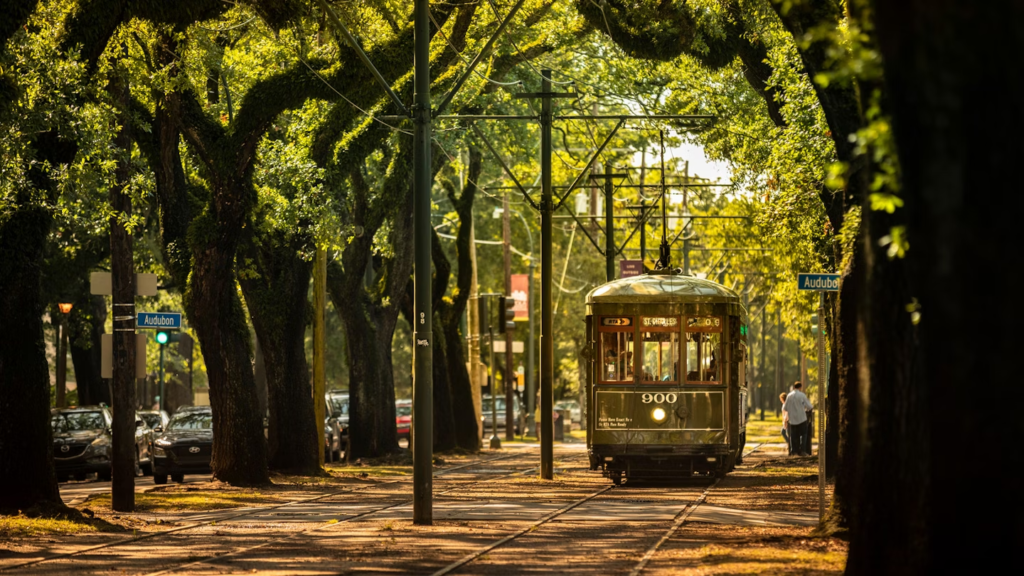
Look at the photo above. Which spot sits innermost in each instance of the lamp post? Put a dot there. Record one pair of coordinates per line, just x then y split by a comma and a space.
62, 353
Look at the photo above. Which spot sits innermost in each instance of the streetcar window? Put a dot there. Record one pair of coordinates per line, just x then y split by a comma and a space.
704, 354
616, 356
661, 356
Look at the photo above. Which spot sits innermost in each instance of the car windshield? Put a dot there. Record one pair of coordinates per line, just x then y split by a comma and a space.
404, 409
152, 420
191, 421
486, 404
340, 405
71, 421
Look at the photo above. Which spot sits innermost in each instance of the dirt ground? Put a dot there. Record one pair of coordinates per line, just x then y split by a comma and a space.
758, 519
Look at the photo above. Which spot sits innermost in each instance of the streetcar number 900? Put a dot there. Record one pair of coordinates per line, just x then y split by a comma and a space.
659, 398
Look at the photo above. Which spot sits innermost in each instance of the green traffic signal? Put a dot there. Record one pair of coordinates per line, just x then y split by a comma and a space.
814, 323
162, 338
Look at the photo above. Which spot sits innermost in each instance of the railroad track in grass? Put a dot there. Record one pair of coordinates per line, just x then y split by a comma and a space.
228, 516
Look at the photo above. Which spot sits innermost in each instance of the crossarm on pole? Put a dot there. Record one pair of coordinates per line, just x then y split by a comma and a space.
504, 166
593, 158
585, 233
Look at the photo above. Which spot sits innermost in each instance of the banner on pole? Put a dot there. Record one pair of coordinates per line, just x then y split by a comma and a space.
521, 294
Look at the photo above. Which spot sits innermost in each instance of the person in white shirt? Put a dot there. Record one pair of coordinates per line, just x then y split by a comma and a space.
796, 408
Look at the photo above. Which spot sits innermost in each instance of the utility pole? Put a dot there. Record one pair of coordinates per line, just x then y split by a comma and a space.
686, 211
122, 272
547, 342
506, 237
609, 225
423, 402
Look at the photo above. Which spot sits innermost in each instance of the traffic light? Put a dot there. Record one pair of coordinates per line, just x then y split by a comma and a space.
814, 323
506, 308
164, 337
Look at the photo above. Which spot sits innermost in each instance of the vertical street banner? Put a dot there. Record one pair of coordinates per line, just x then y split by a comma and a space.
628, 268
521, 294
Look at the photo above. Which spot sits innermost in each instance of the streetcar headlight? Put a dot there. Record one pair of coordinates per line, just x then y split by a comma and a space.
658, 414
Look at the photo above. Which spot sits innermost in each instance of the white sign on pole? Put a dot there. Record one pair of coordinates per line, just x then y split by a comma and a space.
517, 346
107, 355
101, 284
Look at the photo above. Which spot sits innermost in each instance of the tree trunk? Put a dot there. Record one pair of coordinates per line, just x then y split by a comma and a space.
954, 101
277, 303
26, 463
368, 333
87, 320
26, 459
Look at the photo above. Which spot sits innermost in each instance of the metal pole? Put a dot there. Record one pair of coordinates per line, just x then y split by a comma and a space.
609, 225
162, 346
319, 346
764, 365
547, 342
778, 359
822, 384
495, 441
509, 379
531, 344
423, 404
62, 362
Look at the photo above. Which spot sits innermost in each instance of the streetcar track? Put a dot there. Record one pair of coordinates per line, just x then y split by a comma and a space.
679, 520
247, 512
210, 560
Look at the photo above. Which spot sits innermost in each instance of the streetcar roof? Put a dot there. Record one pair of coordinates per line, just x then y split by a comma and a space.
654, 288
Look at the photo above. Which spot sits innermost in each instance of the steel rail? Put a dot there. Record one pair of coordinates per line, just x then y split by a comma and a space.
679, 521
210, 560
474, 555
247, 511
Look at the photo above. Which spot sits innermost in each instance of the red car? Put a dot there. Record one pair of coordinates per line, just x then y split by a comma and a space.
403, 409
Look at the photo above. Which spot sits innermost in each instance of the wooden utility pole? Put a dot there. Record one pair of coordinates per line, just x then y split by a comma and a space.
122, 272
509, 379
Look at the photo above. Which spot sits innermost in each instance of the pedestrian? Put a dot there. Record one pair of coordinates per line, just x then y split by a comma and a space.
796, 407
785, 423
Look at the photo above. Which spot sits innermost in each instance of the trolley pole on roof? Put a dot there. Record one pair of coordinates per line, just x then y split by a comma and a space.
423, 405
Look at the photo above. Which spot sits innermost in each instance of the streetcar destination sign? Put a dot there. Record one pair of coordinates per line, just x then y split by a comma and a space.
821, 282
159, 320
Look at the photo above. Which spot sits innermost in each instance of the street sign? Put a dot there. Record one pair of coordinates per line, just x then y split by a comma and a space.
100, 284
628, 268
517, 346
159, 320
819, 282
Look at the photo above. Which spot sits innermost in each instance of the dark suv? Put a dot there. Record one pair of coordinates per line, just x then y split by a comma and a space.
186, 445
81, 442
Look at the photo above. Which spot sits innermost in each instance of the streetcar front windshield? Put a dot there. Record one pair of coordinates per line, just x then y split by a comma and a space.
661, 349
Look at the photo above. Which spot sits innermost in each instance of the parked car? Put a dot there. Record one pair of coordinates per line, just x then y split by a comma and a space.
332, 433
575, 415
339, 410
186, 445
81, 442
485, 415
403, 418
155, 419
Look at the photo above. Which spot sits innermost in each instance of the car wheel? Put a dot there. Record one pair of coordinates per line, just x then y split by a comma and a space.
328, 455
337, 455
138, 467
79, 476
103, 475
159, 478
179, 478
147, 469
63, 478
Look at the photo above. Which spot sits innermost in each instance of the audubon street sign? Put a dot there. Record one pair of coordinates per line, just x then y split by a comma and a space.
159, 320
819, 282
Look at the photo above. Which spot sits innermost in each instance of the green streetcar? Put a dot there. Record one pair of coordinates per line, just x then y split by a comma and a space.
666, 377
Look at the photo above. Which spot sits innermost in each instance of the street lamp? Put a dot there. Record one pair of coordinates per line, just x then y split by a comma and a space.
62, 353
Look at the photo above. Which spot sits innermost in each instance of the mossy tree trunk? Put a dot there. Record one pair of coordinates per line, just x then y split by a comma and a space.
276, 296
